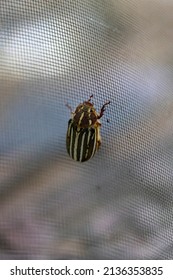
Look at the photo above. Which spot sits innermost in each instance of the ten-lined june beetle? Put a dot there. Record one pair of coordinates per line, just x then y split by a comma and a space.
83, 133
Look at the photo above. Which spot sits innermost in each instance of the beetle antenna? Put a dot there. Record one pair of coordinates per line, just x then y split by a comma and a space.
103, 109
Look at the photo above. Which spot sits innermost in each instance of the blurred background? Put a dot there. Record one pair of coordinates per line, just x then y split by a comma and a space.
118, 205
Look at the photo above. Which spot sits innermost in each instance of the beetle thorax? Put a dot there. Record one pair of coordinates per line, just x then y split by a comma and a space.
85, 115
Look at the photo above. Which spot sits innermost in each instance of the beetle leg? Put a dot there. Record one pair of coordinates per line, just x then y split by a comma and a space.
69, 107
103, 109
90, 98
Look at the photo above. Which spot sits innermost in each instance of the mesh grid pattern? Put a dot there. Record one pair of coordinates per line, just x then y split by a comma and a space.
119, 204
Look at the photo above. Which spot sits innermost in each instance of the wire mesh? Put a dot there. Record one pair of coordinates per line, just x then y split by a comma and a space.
118, 205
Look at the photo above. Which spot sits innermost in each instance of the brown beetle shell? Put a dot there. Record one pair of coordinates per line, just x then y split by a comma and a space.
85, 115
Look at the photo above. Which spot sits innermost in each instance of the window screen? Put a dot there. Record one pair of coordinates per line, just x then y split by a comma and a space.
117, 205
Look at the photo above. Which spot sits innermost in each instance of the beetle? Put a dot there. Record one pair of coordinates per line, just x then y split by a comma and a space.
83, 134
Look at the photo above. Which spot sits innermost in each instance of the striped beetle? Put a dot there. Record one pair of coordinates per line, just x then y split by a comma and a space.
83, 133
